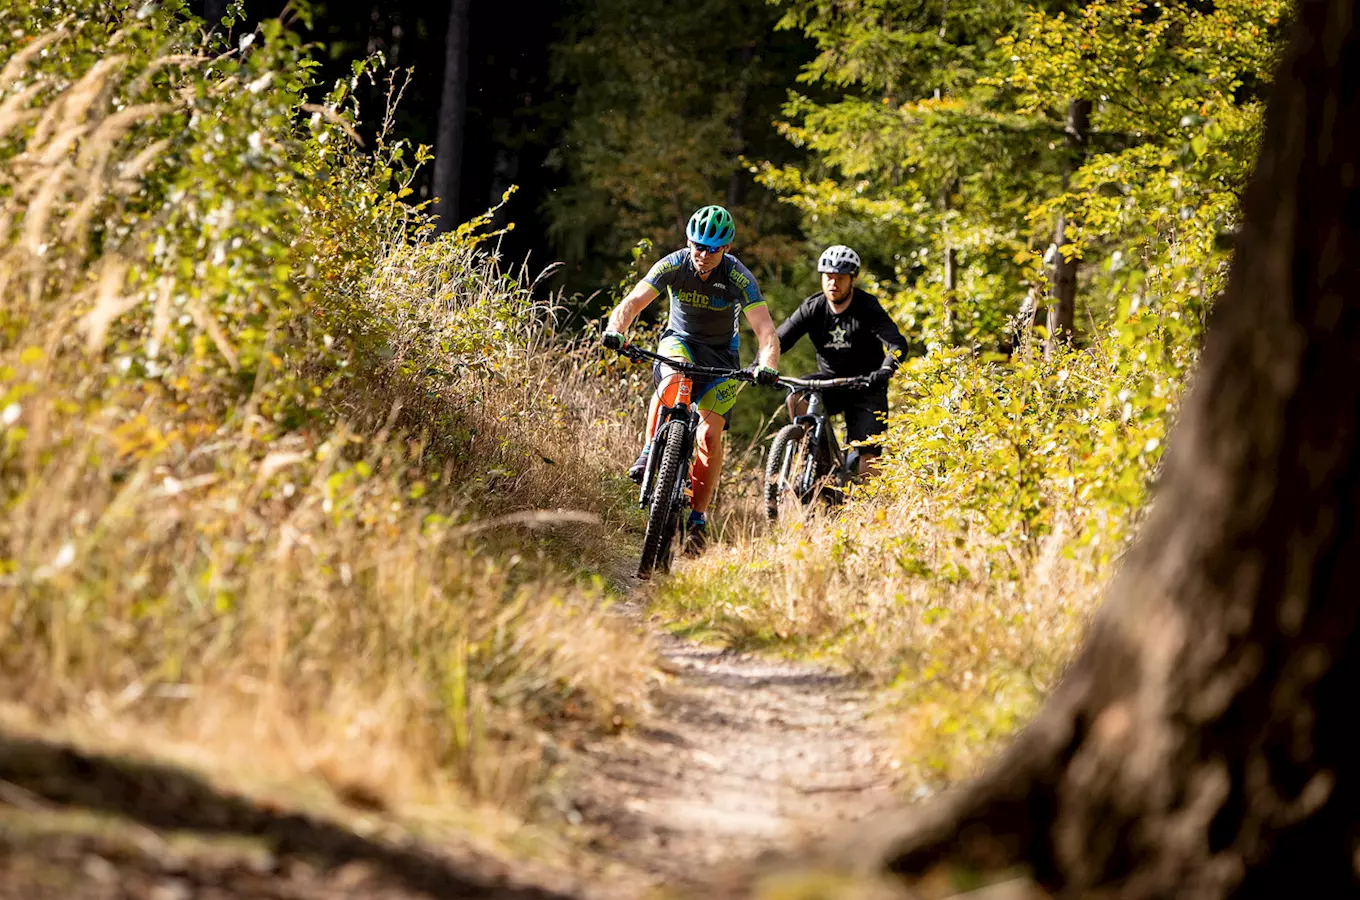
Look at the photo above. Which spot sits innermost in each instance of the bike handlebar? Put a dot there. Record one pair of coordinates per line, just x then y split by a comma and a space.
637, 354
854, 381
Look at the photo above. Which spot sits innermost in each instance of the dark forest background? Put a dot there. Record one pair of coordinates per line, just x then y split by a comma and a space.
613, 120
551, 85
1001, 166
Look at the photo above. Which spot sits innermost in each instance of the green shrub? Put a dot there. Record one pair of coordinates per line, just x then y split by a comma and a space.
261, 426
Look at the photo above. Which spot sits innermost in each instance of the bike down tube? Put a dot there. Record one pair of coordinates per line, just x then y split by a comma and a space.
684, 370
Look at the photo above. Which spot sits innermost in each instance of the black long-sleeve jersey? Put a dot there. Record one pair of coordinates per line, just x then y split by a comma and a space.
850, 343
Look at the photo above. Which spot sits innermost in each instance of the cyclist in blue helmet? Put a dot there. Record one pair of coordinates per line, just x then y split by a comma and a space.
708, 289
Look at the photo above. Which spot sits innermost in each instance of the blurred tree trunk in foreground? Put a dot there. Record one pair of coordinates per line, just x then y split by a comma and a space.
1201, 744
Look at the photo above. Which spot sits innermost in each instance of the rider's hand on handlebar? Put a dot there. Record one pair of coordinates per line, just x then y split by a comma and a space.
878, 378
766, 376
612, 339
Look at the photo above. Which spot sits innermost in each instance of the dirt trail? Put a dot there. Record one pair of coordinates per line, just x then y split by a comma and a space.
744, 755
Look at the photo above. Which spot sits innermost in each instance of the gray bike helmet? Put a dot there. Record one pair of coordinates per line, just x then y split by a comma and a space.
839, 259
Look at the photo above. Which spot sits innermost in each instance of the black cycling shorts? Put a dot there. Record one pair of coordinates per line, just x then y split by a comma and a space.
865, 412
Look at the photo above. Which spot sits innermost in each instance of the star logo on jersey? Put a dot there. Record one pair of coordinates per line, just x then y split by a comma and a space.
838, 341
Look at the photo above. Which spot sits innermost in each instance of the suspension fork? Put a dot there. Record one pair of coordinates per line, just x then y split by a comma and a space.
664, 417
815, 420
835, 458
678, 387
690, 448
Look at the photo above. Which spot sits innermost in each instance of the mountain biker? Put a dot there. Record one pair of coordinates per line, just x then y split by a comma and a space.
851, 331
707, 288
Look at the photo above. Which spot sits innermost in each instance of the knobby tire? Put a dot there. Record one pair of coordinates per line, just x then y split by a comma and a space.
779, 467
661, 513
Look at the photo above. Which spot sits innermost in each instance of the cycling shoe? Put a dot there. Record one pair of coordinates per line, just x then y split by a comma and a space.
639, 466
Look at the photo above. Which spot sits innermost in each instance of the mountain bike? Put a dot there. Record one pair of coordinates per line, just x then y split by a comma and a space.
666, 490
805, 459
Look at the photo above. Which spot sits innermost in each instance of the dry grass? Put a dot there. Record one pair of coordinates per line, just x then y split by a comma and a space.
965, 637
292, 597
361, 566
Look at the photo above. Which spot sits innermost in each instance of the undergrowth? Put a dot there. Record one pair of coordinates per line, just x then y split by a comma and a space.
961, 577
265, 437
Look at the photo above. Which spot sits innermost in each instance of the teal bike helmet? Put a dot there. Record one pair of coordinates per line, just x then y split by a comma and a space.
711, 226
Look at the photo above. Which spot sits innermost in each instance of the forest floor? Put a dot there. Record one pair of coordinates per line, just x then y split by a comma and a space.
742, 755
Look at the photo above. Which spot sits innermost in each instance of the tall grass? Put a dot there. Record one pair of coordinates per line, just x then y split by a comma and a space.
964, 653
264, 432
962, 575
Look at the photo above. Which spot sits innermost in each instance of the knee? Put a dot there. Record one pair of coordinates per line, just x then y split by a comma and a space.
710, 431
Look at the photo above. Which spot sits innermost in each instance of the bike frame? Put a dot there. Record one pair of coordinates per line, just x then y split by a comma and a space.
817, 420
683, 410
677, 392
682, 380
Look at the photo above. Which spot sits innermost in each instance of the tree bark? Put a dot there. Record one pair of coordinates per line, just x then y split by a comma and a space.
1019, 338
951, 256
736, 184
448, 158
1062, 311
1200, 746
951, 261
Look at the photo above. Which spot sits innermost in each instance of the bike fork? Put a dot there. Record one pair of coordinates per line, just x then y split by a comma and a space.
664, 417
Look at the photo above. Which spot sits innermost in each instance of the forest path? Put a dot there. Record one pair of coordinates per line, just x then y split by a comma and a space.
743, 755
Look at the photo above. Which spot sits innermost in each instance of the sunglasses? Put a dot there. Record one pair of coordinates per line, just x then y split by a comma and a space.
705, 247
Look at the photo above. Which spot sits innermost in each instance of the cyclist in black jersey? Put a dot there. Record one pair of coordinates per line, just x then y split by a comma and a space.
708, 289
853, 336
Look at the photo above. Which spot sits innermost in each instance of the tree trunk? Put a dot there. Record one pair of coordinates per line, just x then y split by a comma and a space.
951, 256
1062, 311
1019, 338
736, 184
448, 157
951, 262
1201, 745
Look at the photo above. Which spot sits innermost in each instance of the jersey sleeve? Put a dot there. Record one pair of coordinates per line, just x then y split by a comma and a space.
661, 274
887, 331
748, 292
796, 325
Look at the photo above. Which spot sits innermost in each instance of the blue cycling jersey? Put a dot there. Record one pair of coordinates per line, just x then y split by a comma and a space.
705, 311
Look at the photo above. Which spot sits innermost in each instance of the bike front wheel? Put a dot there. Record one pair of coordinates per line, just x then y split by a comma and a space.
663, 512
784, 467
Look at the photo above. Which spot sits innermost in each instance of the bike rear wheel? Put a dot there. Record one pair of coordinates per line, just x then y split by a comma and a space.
784, 466
663, 512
